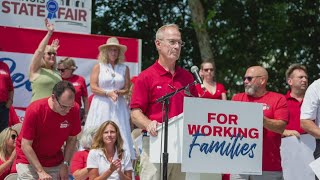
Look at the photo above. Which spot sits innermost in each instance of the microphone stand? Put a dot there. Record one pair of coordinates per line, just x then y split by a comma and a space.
165, 100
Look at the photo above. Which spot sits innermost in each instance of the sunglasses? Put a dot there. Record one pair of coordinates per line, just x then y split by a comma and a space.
51, 53
62, 70
249, 78
208, 69
13, 136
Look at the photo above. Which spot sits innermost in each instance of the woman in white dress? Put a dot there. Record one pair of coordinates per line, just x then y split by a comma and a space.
109, 81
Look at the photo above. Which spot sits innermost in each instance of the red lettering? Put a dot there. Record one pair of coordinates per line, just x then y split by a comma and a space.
15, 4
192, 129
82, 15
6, 8
227, 131
225, 119
203, 130
41, 11
211, 116
23, 9
61, 12
254, 133
242, 132
217, 130
233, 118
69, 14
31, 8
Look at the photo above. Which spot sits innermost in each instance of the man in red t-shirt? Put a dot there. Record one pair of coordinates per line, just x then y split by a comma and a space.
48, 123
275, 118
297, 78
6, 95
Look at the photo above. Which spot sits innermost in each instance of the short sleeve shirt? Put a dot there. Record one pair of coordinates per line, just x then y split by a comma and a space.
310, 108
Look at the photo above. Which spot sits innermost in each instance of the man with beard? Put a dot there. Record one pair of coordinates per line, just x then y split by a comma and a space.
275, 118
297, 78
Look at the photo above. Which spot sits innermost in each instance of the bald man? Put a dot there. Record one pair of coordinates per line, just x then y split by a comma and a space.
275, 118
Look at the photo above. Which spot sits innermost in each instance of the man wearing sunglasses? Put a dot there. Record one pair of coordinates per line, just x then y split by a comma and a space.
48, 123
275, 118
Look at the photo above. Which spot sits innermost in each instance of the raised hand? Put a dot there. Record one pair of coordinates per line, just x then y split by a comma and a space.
50, 27
55, 44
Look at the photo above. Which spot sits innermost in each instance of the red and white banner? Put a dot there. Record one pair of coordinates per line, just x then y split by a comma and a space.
17, 46
67, 16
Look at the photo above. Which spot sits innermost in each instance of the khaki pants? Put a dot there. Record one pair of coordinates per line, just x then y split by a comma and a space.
266, 175
151, 171
26, 171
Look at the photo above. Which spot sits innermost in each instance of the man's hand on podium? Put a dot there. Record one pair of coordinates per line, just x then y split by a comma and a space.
152, 128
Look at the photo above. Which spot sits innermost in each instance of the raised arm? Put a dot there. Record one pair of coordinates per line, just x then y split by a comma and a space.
39, 53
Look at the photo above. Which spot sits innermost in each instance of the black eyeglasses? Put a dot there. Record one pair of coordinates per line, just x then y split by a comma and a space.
208, 69
13, 136
63, 106
51, 53
249, 78
61, 70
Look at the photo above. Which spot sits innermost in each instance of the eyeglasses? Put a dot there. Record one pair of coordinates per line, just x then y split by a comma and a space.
62, 70
173, 42
249, 78
13, 136
51, 53
208, 69
63, 106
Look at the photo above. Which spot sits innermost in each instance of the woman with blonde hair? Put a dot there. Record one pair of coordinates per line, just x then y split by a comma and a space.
66, 67
211, 88
7, 152
107, 159
109, 82
42, 73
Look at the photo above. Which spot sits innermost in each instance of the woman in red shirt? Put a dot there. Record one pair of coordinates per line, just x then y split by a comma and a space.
7, 152
210, 88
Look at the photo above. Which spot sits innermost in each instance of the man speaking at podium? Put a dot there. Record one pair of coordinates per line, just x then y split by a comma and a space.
163, 77
275, 117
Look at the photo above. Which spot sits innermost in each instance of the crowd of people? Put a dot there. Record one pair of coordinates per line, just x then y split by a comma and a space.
65, 136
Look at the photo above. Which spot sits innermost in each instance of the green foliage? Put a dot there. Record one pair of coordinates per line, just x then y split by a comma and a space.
242, 33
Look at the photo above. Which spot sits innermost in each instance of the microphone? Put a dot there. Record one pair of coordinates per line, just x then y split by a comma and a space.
194, 70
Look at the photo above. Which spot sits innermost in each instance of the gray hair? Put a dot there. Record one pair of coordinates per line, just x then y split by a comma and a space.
87, 137
159, 34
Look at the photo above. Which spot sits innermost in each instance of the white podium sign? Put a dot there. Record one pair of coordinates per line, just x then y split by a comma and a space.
222, 137
174, 141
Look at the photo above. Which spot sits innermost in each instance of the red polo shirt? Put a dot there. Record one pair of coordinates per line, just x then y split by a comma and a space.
274, 107
156, 82
5, 82
79, 84
294, 113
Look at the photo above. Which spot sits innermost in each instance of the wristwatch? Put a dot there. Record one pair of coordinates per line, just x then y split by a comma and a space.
66, 163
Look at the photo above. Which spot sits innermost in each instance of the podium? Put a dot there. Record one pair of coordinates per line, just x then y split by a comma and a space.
175, 148
213, 136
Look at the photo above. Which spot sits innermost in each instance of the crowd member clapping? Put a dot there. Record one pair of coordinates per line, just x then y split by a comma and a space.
78, 166
66, 67
107, 159
210, 88
7, 152
42, 74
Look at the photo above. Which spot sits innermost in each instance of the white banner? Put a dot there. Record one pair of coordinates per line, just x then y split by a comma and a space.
222, 137
66, 15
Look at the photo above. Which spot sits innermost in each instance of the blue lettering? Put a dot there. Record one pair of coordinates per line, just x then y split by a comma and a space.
232, 149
